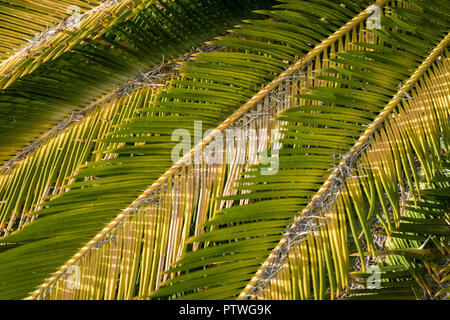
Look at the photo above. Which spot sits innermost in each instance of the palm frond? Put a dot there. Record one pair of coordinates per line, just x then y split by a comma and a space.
354, 200
374, 72
22, 21
351, 153
177, 91
154, 28
415, 262
114, 177
115, 42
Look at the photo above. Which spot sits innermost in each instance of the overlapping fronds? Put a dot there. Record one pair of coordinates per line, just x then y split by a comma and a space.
163, 104
413, 261
323, 127
50, 169
195, 233
170, 36
132, 174
49, 172
132, 259
68, 69
382, 205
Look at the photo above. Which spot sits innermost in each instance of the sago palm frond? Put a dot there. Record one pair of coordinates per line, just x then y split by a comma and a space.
362, 128
372, 202
152, 25
112, 44
309, 142
158, 122
21, 21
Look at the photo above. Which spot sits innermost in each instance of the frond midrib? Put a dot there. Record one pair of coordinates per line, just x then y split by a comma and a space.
348, 160
301, 63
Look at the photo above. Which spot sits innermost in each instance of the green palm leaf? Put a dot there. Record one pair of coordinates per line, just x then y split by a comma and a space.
360, 150
130, 59
329, 265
